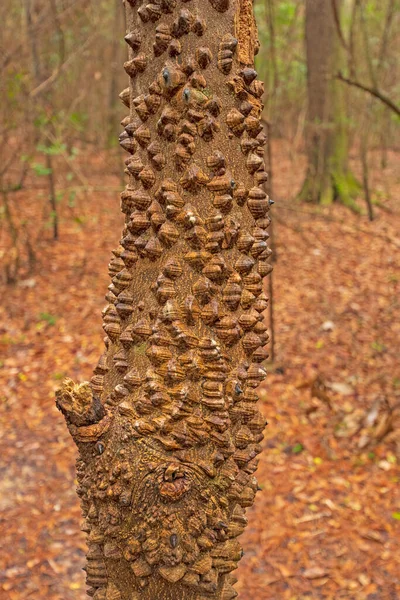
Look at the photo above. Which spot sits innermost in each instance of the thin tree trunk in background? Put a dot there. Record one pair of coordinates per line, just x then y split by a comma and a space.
115, 64
351, 56
385, 137
365, 170
39, 106
12, 259
272, 49
168, 429
385, 129
374, 76
271, 316
36, 70
52, 197
29, 249
59, 32
272, 242
32, 40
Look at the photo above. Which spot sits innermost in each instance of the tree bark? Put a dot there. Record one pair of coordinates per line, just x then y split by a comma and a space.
328, 177
168, 430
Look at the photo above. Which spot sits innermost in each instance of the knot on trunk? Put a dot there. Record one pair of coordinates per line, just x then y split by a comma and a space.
78, 404
174, 483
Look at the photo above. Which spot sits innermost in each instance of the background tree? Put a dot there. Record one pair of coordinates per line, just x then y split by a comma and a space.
328, 175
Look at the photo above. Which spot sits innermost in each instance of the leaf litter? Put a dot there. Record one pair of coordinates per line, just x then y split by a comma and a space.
326, 523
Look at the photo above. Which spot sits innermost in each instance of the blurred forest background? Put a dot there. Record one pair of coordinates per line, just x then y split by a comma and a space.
61, 73
327, 523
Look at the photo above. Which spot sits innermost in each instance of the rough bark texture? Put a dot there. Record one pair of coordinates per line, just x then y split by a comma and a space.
168, 430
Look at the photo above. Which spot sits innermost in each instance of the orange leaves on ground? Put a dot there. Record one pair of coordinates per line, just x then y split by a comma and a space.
327, 521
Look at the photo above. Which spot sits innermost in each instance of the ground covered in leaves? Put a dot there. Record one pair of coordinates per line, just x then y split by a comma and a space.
327, 522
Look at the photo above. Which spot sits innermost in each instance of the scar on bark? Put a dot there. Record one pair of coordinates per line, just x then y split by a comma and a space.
84, 413
246, 32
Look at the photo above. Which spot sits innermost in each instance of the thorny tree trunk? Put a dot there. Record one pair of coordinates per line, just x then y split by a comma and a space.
168, 430
328, 177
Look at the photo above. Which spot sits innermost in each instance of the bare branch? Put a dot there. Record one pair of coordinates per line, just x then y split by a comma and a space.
37, 29
366, 38
44, 85
16, 187
371, 90
338, 25
390, 14
352, 55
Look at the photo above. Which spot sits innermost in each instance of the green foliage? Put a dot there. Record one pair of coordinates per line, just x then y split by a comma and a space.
285, 13
58, 376
378, 346
14, 84
53, 149
297, 448
71, 198
40, 121
47, 318
41, 169
346, 189
78, 120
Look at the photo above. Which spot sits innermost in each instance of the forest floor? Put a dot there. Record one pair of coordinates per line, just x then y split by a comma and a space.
327, 521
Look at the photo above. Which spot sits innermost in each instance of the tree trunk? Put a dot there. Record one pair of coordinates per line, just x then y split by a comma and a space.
168, 430
328, 177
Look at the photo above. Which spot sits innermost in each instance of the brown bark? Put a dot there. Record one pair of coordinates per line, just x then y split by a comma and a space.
320, 56
328, 177
168, 430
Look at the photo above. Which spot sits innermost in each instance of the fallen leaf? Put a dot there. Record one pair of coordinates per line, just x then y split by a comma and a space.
344, 389
315, 573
